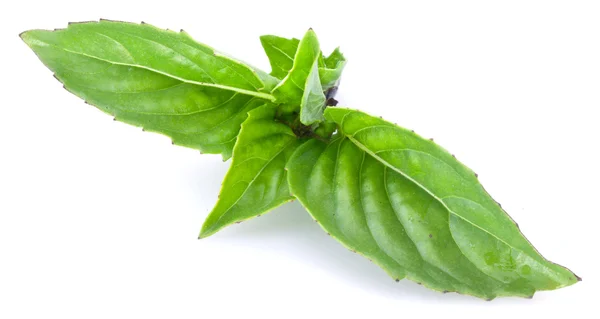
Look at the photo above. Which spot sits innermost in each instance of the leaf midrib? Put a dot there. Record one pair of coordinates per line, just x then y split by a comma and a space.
384, 162
261, 95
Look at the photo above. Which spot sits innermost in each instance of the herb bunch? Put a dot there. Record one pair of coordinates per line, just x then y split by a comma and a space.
381, 190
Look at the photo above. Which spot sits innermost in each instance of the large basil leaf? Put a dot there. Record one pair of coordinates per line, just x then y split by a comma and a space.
161, 80
256, 181
408, 205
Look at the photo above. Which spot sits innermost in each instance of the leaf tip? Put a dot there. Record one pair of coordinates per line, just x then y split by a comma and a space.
206, 231
25, 37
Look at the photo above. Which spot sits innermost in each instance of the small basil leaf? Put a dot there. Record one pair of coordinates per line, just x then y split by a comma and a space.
313, 99
301, 88
331, 72
161, 80
281, 52
291, 88
256, 181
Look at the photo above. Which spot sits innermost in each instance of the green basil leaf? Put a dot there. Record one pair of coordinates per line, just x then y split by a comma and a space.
331, 72
256, 181
281, 52
301, 88
408, 205
161, 80
313, 99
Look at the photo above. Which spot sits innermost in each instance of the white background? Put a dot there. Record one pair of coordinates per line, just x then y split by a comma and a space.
99, 220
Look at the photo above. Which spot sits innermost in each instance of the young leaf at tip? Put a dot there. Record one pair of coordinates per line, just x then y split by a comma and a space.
408, 205
330, 72
256, 181
281, 52
161, 80
301, 89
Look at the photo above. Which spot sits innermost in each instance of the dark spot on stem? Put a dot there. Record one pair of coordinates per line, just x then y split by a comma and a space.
331, 102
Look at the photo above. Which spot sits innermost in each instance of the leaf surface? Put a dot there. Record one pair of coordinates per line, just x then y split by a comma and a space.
161, 80
408, 205
281, 52
256, 181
